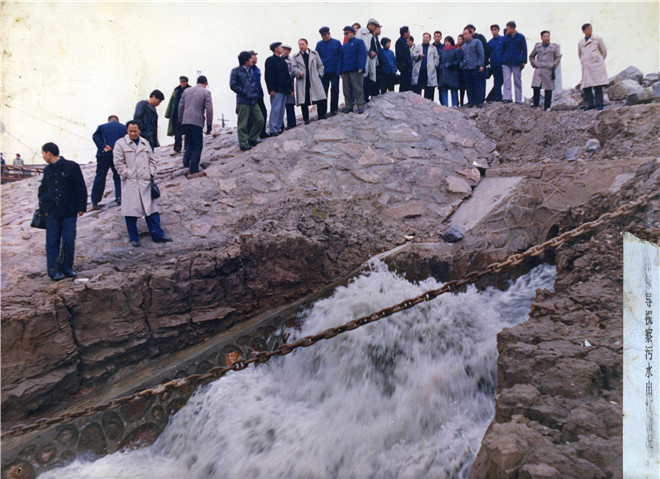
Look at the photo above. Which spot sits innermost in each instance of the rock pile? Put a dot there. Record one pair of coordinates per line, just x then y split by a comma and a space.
261, 229
558, 410
630, 86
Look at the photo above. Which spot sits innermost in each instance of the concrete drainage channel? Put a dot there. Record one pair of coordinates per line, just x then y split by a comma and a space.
139, 423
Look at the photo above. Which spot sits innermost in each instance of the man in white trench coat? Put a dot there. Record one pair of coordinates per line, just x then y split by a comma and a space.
136, 165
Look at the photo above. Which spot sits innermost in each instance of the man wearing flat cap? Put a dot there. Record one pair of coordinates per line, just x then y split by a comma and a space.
279, 87
353, 59
172, 113
329, 50
241, 82
369, 35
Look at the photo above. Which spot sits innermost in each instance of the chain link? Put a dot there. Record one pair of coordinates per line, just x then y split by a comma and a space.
304, 342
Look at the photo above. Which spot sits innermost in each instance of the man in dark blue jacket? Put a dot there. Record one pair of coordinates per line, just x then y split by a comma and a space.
241, 82
329, 50
104, 138
147, 117
62, 196
278, 83
403, 59
514, 58
260, 101
495, 47
353, 60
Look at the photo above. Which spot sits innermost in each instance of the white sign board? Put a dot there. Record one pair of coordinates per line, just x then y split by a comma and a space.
641, 358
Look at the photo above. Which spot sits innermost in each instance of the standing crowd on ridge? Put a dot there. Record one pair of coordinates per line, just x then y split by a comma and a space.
365, 63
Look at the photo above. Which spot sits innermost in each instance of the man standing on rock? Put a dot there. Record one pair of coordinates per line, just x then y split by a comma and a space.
472, 64
62, 196
545, 57
353, 60
329, 50
481, 77
137, 168
241, 82
278, 84
495, 49
260, 101
403, 59
104, 138
290, 99
147, 116
195, 102
592, 53
425, 71
369, 35
514, 58
172, 113
439, 46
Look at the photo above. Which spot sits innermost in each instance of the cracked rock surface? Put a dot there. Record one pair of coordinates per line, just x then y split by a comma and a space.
261, 229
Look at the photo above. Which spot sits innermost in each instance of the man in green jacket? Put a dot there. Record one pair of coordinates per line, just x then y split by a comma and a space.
172, 113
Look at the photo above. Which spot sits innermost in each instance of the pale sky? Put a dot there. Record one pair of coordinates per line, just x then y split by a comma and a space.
66, 66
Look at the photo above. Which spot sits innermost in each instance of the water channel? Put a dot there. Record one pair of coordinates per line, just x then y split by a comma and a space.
408, 396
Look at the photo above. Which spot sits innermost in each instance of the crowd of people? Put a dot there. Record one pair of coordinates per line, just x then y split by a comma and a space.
365, 63
367, 67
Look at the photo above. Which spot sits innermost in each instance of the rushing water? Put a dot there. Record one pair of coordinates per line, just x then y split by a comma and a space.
408, 396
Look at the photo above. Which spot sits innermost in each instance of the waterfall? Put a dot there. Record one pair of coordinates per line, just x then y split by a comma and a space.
408, 396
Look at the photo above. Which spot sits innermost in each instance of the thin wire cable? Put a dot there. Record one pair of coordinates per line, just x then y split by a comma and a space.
47, 122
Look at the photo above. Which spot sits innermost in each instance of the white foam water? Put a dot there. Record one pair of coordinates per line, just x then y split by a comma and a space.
408, 396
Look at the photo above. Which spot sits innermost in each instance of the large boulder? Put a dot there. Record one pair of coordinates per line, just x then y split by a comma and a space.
630, 73
650, 79
567, 100
630, 91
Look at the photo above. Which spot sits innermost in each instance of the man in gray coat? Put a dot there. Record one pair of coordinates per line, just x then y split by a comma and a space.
194, 103
545, 58
472, 64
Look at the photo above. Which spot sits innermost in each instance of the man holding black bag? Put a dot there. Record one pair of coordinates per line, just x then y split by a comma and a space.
62, 196
136, 165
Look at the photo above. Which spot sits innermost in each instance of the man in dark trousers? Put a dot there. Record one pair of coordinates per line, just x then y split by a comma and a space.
495, 51
403, 59
481, 77
104, 138
279, 86
195, 103
147, 116
172, 113
62, 196
241, 82
260, 101
329, 50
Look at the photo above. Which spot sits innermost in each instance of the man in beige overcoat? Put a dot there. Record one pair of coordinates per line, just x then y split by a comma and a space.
592, 53
545, 57
307, 69
419, 80
136, 165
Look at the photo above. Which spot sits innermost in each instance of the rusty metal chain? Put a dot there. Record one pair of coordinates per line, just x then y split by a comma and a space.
304, 342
